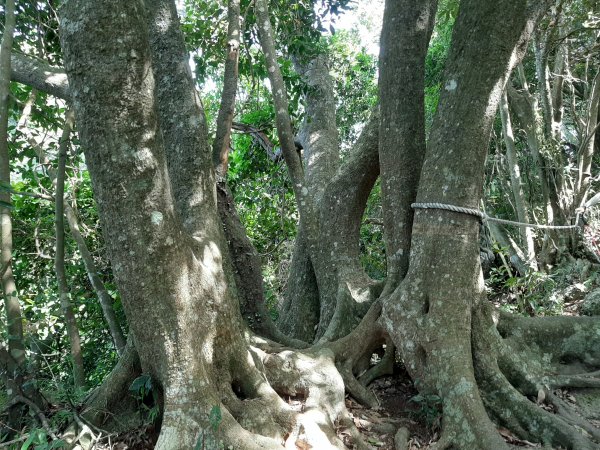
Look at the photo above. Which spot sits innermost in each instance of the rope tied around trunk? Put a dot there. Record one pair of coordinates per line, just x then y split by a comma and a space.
483, 217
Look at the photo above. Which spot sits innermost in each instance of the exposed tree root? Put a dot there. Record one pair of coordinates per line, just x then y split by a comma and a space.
383, 368
506, 378
529, 421
252, 411
507, 371
351, 352
565, 339
579, 381
253, 414
355, 294
568, 414
38, 412
113, 393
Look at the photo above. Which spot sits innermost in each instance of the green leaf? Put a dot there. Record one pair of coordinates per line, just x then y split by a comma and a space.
143, 382
215, 417
28, 442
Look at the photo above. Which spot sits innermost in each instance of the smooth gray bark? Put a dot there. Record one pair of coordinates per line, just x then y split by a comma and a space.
402, 131
105, 299
586, 150
318, 133
430, 316
344, 291
521, 207
281, 102
230, 78
59, 258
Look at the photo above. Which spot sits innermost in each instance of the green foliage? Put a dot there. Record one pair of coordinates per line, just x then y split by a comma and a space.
38, 440
354, 71
372, 247
436, 60
429, 409
264, 200
530, 294
144, 391
539, 293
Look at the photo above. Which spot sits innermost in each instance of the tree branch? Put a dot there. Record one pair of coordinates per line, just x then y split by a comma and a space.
39, 75
230, 81
280, 98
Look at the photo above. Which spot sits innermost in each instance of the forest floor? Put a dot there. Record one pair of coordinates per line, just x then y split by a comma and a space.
401, 405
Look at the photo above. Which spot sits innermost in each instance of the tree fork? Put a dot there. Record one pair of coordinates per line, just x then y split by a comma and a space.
430, 316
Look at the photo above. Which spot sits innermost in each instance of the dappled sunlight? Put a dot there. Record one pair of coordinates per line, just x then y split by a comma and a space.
262, 300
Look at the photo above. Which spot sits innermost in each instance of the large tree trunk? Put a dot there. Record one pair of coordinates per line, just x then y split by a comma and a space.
145, 139
431, 315
161, 228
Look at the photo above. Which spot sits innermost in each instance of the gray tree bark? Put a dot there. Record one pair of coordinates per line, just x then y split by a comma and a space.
402, 129
327, 242
166, 243
586, 150
431, 315
59, 259
521, 207
230, 78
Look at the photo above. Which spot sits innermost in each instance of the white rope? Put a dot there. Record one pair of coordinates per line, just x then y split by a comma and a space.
485, 218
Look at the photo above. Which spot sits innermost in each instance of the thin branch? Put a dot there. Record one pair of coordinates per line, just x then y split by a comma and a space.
32, 195
14, 441
20, 399
59, 260
280, 99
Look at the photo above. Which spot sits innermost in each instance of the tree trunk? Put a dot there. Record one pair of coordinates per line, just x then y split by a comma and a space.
402, 129
586, 150
59, 259
15, 375
16, 347
521, 207
430, 316
230, 79
166, 242
327, 242
528, 115
105, 299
